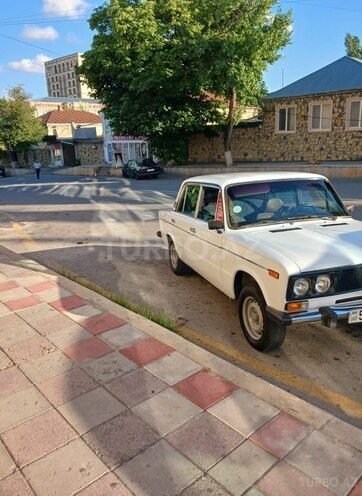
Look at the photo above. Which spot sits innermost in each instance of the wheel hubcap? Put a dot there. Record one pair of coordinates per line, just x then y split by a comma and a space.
253, 318
173, 256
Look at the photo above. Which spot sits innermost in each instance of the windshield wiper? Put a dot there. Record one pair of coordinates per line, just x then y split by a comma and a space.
309, 216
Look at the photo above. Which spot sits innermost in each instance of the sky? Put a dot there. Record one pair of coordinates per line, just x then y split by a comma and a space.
34, 31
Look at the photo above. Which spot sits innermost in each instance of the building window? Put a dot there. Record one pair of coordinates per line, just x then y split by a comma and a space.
354, 115
55, 69
320, 116
285, 119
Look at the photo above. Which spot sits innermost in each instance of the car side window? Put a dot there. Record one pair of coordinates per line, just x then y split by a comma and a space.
208, 203
188, 200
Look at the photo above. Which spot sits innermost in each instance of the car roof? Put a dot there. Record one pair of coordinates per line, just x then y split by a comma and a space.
225, 179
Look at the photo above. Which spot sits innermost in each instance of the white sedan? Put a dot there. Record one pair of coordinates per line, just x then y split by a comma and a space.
283, 244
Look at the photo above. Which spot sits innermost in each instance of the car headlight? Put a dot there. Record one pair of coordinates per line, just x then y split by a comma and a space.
301, 286
323, 283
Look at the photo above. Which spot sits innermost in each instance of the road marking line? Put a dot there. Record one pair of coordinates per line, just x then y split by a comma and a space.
25, 238
347, 405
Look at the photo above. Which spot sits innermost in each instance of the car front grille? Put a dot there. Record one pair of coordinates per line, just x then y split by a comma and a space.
348, 279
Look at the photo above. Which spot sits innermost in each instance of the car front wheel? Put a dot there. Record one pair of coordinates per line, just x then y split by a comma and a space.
177, 265
261, 332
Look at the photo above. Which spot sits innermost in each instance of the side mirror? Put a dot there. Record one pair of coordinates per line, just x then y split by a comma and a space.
350, 209
216, 224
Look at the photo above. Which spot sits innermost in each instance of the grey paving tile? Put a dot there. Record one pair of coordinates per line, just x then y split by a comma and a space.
53, 294
7, 464
205, 440
80, 313
346, 433
173, 368
14, 330
46, 366
205, 487
68, 336
158, 470
176, 410
123, 336
239, 470
135, 387
45, 319
254, 492
120, 439
243, 412
65, 387
108, 367
68, 470
5, 361
328, 461
108, 485
91, 409
21, 406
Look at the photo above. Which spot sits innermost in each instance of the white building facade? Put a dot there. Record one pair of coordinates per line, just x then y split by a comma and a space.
62, 79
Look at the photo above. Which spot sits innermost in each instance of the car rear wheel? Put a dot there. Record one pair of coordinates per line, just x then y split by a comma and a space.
261, 332
124, 173
177, 265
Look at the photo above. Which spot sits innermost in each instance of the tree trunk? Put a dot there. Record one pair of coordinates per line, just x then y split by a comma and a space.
229, 129
13, 158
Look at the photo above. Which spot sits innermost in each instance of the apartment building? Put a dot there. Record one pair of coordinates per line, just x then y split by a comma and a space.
62, 80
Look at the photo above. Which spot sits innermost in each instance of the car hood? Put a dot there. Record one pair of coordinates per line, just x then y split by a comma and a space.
315, 245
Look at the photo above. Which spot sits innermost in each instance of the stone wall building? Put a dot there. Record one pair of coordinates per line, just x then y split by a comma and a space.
317, 118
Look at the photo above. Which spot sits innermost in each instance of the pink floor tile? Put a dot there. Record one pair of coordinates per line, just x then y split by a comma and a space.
8, 285
284, 480
101, 323
11, 380
146, 351
15, 485
28, 301
42, 286
357, 491
205, 389
281, 434
65, 387
68, 303
90, 348
37, 437
29, 349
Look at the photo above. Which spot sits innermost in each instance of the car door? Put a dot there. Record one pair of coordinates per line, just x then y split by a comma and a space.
183, 222
205, 244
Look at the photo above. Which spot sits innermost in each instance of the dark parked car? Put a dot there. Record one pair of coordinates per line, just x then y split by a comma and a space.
146, 168
2, 171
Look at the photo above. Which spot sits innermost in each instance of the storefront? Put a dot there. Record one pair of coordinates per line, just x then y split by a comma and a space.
123, 148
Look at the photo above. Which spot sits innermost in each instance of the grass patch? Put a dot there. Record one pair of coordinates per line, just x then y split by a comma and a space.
161, 318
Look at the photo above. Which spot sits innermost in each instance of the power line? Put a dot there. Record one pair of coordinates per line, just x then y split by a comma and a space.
25, 43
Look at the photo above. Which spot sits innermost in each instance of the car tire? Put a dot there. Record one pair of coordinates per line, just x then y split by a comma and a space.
177, 265
137, 176
261, 332
124, 174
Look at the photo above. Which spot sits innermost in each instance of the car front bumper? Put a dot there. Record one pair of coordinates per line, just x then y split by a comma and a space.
328, 316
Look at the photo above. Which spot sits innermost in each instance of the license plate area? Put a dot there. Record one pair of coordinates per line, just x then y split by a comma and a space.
355, 316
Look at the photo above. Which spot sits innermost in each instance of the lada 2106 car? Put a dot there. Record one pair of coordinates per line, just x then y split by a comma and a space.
283, 244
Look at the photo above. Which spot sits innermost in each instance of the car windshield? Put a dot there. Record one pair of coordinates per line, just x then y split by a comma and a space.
281, 201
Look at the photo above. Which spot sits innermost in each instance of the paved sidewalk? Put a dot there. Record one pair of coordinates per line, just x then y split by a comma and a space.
98, 401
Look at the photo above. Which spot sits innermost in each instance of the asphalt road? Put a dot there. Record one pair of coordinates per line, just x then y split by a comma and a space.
104, 229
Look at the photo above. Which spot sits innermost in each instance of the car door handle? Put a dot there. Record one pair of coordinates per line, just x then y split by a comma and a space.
193, 230
173, 221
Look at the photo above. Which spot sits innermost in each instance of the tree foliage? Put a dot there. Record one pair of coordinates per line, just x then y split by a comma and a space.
19, 127
353, 46
165, 69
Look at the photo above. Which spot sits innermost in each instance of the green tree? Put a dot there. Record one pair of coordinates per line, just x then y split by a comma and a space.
353, 46
19, 127
165, 69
